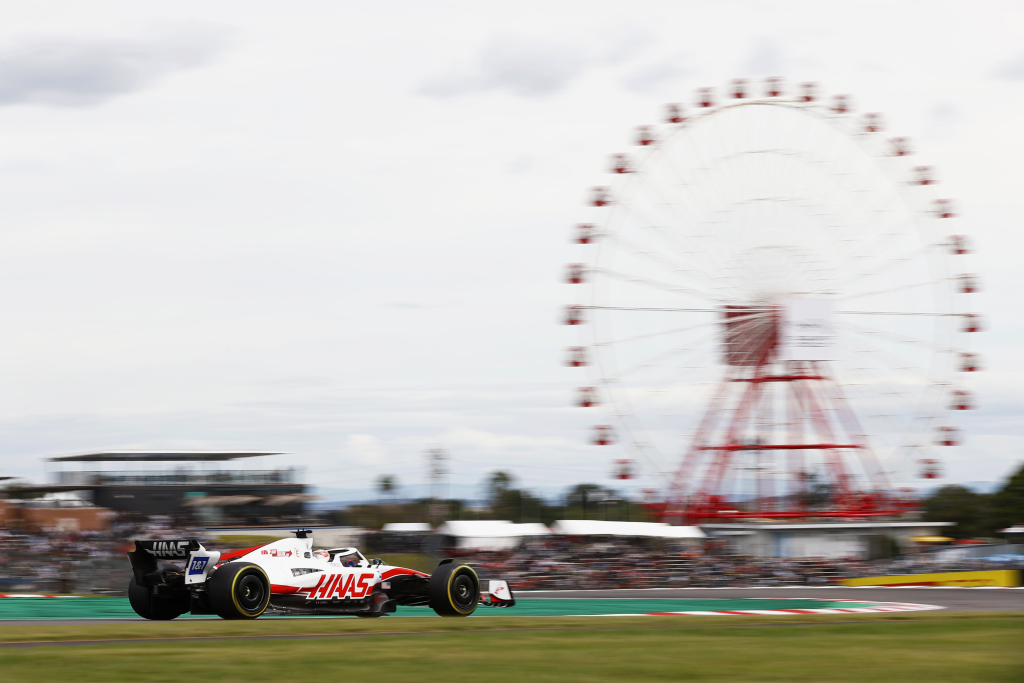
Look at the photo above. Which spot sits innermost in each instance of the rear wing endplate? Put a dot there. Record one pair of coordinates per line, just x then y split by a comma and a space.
199, 560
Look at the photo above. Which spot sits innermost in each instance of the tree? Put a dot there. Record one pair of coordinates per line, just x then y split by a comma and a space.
14, 492
387, 484
587, 497
970, 511
1008, 502
815, 491
498, 484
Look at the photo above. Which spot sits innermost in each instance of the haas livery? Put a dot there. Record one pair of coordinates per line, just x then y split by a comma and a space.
291, 577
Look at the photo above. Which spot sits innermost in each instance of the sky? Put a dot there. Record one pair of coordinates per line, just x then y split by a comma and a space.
338, 230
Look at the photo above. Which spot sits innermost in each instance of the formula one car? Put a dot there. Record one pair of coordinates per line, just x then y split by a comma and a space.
290, 577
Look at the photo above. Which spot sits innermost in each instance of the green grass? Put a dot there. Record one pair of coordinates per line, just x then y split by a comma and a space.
421, 563
906, 647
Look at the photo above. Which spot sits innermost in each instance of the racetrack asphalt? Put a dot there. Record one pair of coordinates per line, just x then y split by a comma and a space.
952, 599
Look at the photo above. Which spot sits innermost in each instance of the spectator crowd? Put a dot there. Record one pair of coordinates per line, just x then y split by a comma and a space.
559, 564
95, 563
86, 562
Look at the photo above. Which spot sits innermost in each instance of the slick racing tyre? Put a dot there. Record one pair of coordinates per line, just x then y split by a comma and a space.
148, 607
239, 590
454, 590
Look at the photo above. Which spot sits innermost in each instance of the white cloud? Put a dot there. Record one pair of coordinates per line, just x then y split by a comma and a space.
525, 66
69, 71
1012, 69
534, 66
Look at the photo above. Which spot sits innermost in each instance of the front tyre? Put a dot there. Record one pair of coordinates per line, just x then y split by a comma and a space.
148, 607
454, 590
239, 590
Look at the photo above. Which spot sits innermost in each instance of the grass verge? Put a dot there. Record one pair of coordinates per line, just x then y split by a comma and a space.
905, 647
421, 563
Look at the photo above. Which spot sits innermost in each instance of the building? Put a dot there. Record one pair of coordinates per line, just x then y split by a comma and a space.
199, 487
48, 515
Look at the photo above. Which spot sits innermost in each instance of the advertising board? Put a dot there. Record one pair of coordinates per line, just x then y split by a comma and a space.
808, 331
1006, 578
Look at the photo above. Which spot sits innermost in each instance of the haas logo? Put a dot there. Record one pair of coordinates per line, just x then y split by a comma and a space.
169, 548
339, 586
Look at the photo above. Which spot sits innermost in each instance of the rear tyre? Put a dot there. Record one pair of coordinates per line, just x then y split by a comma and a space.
454, 590
148, 607
239, 590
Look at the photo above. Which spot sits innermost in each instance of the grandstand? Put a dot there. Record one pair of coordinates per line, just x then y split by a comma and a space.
194, 486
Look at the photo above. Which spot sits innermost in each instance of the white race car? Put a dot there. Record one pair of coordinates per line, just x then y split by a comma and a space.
290, 577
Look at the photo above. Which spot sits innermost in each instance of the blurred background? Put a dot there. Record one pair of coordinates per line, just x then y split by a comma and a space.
331, 241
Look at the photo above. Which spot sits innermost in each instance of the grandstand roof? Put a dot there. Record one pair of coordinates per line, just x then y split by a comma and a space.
597, 527
407, 527
490, 528
158, 456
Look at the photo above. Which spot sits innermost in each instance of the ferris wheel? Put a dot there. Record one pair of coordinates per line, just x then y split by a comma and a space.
774, 307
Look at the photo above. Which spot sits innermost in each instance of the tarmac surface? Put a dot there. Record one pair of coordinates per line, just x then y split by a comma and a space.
531, 603
952, 599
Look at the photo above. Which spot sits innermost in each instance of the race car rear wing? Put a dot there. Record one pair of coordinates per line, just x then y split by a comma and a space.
168, 550
148, 568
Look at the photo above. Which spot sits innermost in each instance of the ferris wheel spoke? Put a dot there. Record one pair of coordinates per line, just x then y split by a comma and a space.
900, 288
889, 237
872, 235
860, 388
653, 362
900, 367
669, 264
927, 314
749, 336
863, 395
673, 331
900, 260
656, 284
700, 200
649, 308
676, 268
630, 207
689, 267
900, 338
878, 385
897, 364
672, 380
681, 212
